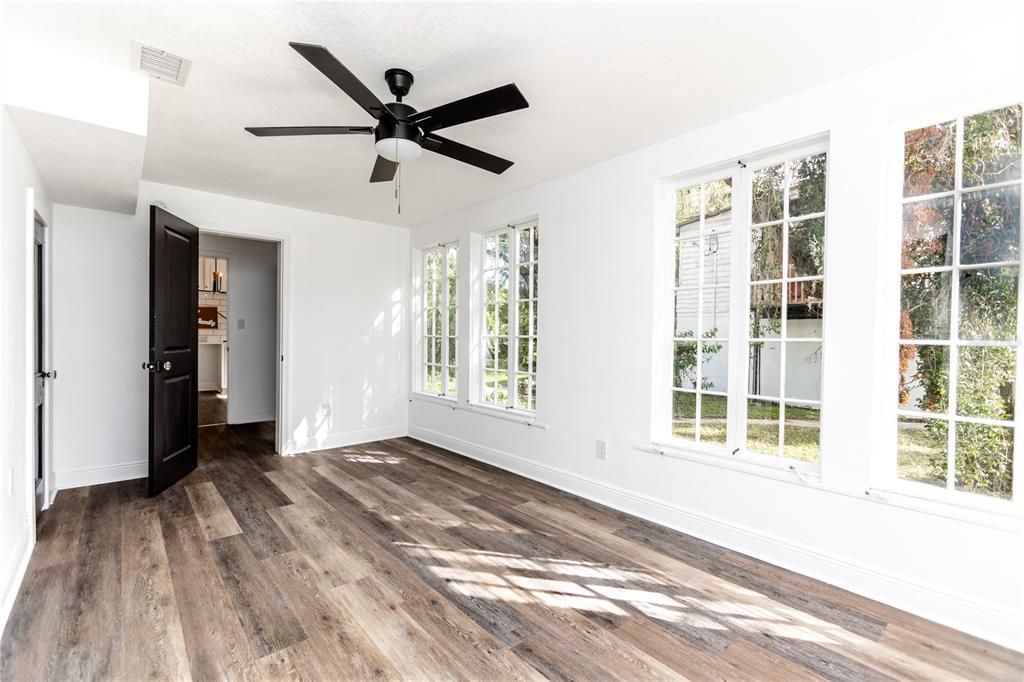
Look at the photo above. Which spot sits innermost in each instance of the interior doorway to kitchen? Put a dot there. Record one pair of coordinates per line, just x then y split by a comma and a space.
238, 330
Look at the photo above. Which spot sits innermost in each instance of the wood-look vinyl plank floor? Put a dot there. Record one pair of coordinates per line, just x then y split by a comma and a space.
399, 560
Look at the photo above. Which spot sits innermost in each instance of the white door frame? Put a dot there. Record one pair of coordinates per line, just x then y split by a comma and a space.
283, 330
42, 495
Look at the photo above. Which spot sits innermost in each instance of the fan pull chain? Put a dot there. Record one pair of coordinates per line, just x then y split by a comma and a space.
398, 181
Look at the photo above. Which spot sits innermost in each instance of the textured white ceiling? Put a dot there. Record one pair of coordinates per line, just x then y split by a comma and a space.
601, 79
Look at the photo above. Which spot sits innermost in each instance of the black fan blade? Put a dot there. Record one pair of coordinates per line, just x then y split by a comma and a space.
275, 131
325, 62
491, 103
383, 170
460, 152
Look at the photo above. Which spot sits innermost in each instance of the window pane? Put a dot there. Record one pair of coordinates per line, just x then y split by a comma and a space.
502, 318
523, 359
922, 445
807, 248
984, 459
990, 226
766, 199
807, 185
988, 303
453, 386
717, 199
714, 366
927, 226
524, 281
805, 309
715, 318
490, 385
992, 146
763, 427
686, 313
985, 382
491, 320
713, 418
802, 433
503, 249
451, 351
924, 378
536, 250
803, 370
501, 388
717, 251
763, 368
684, 372
929, 155
523, 238
523, 319
765, 310
687, 208
523, 393
924, 306
684, 415
766, 253
491, 252
433, 379
502, 356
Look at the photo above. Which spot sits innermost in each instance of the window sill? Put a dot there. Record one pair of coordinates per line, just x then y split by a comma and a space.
996, 514
517, 416
748, 462
992, 512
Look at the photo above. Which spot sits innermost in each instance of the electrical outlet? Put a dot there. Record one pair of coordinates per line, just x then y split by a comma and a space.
602, 452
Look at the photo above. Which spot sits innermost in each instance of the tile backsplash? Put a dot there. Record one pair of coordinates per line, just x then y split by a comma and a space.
220, 334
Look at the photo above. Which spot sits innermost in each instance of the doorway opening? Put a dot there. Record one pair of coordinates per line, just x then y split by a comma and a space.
238, 330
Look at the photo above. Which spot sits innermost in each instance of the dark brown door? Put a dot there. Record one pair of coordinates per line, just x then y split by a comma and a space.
173, 348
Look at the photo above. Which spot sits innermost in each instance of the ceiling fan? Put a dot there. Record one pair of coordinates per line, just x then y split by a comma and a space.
402, 133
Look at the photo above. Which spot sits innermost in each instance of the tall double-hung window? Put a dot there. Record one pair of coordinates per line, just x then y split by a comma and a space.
509, 283
959, 303
748, 297
440, 320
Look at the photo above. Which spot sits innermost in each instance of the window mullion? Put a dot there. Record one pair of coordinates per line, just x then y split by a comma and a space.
699, 326
954, 310
787, 174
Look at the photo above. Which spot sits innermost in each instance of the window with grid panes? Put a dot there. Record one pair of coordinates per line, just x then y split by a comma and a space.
509, 282
440, 320
786, 236
959, 294
703, 248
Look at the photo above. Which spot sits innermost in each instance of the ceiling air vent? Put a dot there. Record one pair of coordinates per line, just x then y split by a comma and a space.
159, 64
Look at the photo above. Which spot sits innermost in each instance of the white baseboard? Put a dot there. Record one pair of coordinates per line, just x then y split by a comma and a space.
19, 558
76, 478
251, 417
992, 622
345, 438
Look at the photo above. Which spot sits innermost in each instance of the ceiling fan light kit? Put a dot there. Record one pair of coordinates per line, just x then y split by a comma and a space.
402, 133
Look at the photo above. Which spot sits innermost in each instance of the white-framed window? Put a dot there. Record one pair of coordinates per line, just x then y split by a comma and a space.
440, 320
958, 340
701, 292
748, 293
509, 287
786, 295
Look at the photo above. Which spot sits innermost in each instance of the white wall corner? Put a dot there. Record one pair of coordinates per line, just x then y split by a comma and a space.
992, 622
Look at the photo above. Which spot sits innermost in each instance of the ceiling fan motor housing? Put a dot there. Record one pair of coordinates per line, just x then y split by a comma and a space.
390, 127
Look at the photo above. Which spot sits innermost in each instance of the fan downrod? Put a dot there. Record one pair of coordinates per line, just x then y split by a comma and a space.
399, 82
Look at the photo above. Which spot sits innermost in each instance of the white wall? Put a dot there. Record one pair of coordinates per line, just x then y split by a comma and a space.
21, 193
604, 273
252, 298
345, 341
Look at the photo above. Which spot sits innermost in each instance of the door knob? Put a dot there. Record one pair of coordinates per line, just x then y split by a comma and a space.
52, 374
167, 365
